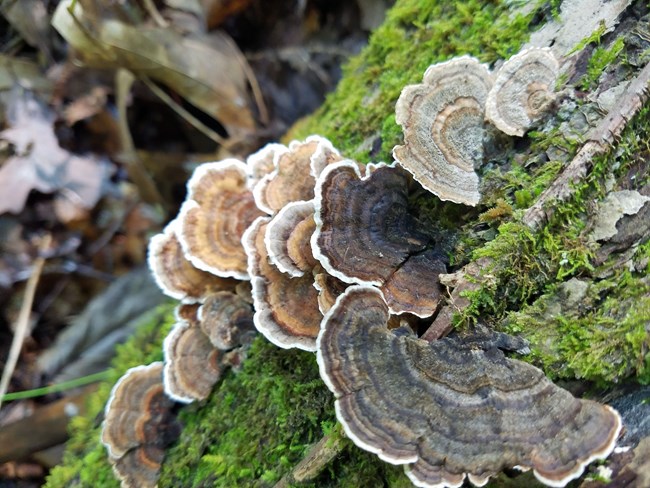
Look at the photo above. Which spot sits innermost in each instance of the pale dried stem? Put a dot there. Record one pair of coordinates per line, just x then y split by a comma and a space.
22, 324
598, 142
189, 118
157, 17
137, 172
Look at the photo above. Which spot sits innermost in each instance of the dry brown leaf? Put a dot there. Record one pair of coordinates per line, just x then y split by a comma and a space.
30, 18
206, 69
41, 164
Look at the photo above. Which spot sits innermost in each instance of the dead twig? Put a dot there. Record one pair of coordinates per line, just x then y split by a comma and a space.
598, 142
157, 17
22, 324
318, 457
123, 81
189, 118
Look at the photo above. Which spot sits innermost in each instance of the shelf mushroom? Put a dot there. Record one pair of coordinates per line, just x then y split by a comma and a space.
365, 235
442, 120
288, 238
523, 91
139, 424
448, 410
227, 320
205, 340
175, 275
261, 163
219, 207
293, 177
286, 308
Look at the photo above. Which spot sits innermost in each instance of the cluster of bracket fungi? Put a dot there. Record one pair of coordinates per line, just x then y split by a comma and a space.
326, 254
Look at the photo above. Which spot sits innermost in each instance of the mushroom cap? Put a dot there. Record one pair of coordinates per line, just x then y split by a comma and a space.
420, 275
139, 468
442, 120
288, 238
192, 364
448, 409
226, 319
187, 312
138, 425
261, 163
365, 235
329, 288
522, 91
324, 155
175, 275
293, 177
286, 308
219, 207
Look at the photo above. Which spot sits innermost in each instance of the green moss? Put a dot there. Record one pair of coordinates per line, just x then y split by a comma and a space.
85, 463
594, 38
258, 425
260, 420
605, 340
601, 59
601, 338
416, 34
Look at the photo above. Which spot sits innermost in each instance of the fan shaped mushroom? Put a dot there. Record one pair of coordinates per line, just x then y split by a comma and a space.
448, 410
288, 238
442, 120
175, 275
286, 308
293, 176
139, 424
329, 288
219, 207
261, 163
226, 319
522, 91
192, 364
205, 340
365, 235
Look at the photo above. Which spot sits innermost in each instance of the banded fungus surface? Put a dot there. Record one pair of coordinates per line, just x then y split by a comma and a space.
366, 235
293, 176
442, 121
286, 307
139, 424
523, 91
218, 209
205, 340
448, 411
175, 275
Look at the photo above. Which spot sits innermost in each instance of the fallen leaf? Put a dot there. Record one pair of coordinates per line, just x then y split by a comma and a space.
208, 70
39, 163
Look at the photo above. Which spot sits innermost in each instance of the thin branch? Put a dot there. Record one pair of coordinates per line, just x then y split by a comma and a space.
155, 14
22, 323
599, 142
137, 172
198, 125
315, 461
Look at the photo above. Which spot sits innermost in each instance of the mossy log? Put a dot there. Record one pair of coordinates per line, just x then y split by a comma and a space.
583, 305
